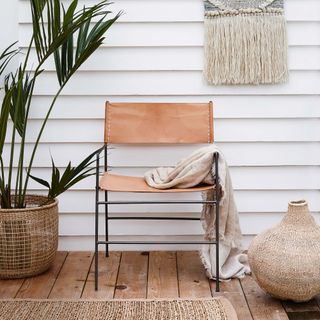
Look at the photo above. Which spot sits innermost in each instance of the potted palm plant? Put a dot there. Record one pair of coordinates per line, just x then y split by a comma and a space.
29, 223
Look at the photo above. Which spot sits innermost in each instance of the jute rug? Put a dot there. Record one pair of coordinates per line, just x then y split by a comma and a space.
205, 309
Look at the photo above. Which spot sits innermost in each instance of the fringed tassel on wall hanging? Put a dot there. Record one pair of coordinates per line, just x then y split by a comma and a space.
245, 42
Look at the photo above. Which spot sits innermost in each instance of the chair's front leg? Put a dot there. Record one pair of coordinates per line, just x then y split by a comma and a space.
96, 233
216, 160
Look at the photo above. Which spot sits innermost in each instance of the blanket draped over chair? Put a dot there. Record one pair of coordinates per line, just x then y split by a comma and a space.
199, 168
245, 42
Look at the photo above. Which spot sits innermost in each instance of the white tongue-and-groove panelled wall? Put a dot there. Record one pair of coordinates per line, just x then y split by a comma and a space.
269, 134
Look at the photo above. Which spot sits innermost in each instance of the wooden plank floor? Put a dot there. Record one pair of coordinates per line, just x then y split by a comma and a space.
128, 275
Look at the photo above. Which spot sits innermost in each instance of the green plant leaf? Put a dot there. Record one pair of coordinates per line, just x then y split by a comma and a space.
68, 17
4, 117
41, 181
7, 55
61, 182
20, 84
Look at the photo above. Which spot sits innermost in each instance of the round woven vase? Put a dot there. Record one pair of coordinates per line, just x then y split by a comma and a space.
285, 260
28, 238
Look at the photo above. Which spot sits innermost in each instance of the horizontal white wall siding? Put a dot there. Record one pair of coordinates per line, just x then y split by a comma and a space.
174, 59
269, 134
168, 10
151, 34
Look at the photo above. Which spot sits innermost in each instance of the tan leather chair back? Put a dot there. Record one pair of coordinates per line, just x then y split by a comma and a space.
159, 123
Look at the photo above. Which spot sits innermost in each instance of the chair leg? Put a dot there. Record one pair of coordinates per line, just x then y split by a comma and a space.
106, 222
217, 249
96, 229
217, 222
96, 267
96, 247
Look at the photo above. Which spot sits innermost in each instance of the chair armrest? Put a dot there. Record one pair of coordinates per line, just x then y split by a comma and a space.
99, 150
216, 180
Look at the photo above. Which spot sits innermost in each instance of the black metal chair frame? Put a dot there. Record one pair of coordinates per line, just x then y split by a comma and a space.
106, 204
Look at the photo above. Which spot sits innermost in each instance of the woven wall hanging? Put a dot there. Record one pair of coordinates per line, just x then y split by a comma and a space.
245, 42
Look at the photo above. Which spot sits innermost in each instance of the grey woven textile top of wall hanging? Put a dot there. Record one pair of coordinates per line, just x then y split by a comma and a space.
245, 42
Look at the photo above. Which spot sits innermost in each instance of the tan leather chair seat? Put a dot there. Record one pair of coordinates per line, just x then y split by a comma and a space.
120, 183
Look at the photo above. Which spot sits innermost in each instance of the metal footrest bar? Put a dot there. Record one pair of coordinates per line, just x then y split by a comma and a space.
159, 202
153, 218
156, 242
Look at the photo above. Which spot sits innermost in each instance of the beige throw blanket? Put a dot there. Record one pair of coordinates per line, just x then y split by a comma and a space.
189, 172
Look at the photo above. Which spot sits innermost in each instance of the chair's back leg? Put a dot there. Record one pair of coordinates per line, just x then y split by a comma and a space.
106, 222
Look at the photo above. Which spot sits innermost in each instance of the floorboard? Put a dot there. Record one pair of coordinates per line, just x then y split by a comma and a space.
307, 315
40, 287
193, 282
232, 290
291, 306
162, 275
133, 276
306, 310
10, 288
73, 276
261, 305
108, 272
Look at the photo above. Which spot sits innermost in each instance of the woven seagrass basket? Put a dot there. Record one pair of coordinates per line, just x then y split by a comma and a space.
28, 238
285, 260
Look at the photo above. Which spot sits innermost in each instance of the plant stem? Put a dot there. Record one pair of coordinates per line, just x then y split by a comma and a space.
21, 194
38, 139
13, 138
19, 177
18, 101
4, 201
2, 171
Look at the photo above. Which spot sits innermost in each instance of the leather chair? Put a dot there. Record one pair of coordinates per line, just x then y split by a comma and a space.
152, 123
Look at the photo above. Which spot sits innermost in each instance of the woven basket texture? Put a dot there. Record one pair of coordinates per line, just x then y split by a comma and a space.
285, 259
28, 238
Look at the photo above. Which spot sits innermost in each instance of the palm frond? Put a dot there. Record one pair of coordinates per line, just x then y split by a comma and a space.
6, 56
49, 37
69, 59
4, 117
62, 181
20, 84
41, 181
